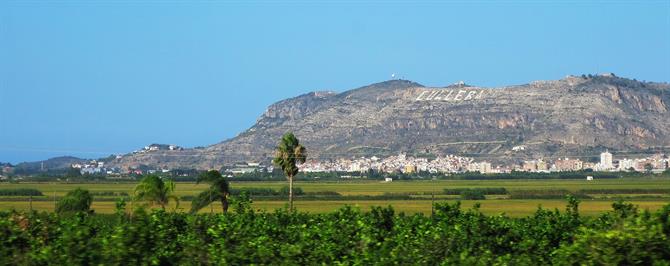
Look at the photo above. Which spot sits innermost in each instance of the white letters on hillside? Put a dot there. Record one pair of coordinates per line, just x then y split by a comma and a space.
448, 95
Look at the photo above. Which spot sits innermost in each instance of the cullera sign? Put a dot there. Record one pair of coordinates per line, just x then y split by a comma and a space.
450, 95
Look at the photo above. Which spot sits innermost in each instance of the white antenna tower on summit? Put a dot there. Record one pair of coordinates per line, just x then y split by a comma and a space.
393, 76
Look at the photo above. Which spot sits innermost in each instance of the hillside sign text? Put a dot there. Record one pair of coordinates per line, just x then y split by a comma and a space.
450, 95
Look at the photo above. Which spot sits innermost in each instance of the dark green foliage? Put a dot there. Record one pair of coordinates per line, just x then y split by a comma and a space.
297, 191
472, 194
242, 203
484, 190
78, 200
20, 192
626, 191
110, 193
545, 194
452, 236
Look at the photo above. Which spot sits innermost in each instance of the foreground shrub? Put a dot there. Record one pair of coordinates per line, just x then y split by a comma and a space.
452, 236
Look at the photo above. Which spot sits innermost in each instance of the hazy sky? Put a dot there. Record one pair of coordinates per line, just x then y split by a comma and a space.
92, 79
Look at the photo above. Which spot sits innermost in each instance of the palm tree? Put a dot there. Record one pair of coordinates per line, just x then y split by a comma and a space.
288, 154
219, 189
153, 189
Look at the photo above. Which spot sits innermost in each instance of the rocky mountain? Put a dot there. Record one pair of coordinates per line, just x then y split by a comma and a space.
574, 116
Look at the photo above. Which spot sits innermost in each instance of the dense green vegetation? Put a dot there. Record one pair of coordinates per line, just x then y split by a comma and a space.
545, 194
472, 194
20, 192
624, 236
483, 190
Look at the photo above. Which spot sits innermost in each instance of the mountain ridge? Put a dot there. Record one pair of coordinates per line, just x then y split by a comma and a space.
576, 116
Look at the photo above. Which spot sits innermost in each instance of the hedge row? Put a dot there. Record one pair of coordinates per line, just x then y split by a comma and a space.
451, 236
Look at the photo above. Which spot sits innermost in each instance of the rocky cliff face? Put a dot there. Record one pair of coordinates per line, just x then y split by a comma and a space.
575, 116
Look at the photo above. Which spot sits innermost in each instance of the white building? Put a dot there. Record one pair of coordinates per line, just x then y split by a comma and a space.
485, 167
606, 161
626, 164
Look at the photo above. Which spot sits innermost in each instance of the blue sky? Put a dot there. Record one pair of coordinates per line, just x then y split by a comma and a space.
94, 78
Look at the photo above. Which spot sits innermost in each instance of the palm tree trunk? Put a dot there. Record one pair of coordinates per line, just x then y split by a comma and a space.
224, 203
290, 193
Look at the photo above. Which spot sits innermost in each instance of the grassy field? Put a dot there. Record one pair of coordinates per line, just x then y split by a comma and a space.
489, 206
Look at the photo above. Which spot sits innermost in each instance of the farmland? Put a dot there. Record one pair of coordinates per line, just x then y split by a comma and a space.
601, 194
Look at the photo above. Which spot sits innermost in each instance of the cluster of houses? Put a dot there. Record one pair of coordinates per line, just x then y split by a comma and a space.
94, 167
398, 163
656, 164
159, 147
457, 164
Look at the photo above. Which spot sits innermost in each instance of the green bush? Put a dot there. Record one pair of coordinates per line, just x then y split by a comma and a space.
78, 200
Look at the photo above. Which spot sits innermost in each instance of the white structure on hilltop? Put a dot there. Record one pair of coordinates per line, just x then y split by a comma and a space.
606, 161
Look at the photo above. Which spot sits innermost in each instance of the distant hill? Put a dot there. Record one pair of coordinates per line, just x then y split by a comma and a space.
575, 116
53, 163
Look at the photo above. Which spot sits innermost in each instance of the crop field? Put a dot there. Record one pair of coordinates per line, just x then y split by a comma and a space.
603, 193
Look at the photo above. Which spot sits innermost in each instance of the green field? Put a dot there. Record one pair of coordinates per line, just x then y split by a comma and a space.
493, 204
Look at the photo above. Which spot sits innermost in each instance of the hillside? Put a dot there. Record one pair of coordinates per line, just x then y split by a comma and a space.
62, 162
575, 116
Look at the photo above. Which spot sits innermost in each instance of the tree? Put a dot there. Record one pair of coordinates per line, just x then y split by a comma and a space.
289, 153
219, 189
78, 200
153, 189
